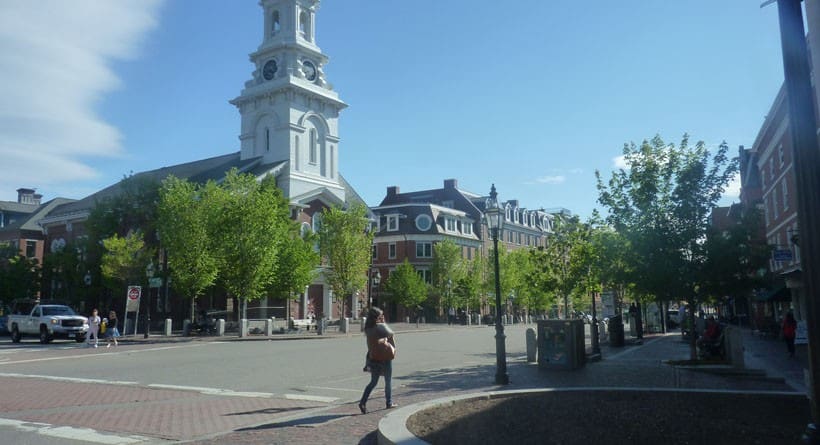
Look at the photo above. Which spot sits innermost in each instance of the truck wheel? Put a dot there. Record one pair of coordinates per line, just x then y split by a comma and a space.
44, 337
15, 334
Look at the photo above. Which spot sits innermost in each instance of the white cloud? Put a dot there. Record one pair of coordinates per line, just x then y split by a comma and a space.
559, 179
55, 59
733, 188
620, 162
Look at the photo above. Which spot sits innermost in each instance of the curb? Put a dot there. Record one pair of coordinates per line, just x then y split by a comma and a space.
393, 427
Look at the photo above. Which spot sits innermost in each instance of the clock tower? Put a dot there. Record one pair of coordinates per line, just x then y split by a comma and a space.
289, 112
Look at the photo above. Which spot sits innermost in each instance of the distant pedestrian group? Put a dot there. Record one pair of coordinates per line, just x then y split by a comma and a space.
108, 327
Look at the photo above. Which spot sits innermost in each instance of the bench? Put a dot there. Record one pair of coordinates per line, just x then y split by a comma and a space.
302, 323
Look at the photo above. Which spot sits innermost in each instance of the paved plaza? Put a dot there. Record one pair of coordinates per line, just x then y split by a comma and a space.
107, 410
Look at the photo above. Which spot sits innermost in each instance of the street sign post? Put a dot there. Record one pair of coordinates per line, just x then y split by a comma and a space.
132, 303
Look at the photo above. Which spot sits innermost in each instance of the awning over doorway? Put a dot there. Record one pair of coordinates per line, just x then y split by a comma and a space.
779, 293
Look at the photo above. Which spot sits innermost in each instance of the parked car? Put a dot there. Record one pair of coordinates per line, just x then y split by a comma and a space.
47, 321
672, 319
4, 316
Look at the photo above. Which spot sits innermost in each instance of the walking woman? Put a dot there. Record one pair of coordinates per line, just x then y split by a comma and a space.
378, 332
789, 332
111, 331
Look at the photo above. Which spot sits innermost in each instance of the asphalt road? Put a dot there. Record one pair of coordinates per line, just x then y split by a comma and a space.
311, 373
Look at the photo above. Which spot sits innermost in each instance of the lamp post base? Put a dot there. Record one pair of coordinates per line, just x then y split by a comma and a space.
811, 436
501, 377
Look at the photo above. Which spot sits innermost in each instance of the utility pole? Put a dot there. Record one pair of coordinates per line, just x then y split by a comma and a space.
803, 127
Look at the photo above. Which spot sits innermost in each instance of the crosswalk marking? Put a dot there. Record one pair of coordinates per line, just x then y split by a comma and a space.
86, 435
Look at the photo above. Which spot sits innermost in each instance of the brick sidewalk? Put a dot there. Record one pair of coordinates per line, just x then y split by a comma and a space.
188, 416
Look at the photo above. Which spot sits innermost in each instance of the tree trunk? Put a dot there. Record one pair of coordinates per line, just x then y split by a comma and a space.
693, 350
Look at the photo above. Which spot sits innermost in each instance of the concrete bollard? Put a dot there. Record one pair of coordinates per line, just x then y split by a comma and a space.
168, 325
345, 327
243, 328
220, 327
733, 340
268, 327
531, 345
186, 327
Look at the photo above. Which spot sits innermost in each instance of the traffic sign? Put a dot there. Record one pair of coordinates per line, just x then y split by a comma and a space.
132, 303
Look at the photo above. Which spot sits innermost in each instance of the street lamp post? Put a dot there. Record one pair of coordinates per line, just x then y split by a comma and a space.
802, 126
149, 272
495, 221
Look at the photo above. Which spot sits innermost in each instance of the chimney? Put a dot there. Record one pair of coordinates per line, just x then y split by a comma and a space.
392, 191
450, 183
27, 196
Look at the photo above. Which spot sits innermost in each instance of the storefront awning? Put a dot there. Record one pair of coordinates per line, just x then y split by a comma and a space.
779, 293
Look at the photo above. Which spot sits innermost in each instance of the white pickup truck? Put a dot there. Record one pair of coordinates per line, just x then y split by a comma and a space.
46, 321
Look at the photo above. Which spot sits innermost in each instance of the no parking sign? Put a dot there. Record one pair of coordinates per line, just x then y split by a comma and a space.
132, 303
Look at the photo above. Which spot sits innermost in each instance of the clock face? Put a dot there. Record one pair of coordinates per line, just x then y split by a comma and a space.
269, 70
309, 70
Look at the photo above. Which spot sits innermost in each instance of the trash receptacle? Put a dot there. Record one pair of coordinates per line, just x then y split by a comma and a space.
616, 331
561, 344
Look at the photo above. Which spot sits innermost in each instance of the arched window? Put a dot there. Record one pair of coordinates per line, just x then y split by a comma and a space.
314, 146
296, 153
276, 24
303, 23
332, 161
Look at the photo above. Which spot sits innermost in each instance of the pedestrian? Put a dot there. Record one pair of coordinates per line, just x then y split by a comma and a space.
377, 331
111, 331
789, 332
93, 329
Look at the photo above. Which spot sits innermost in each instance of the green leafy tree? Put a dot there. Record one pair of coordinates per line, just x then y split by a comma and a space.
129, 207
65, 271
661, 203
735, 258
248, 220
467, 292
19, 276
447, 269
405, 286
297, 266
124, 262
185, 234
345, 243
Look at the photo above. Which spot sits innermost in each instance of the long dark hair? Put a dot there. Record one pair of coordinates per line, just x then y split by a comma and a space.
372, 316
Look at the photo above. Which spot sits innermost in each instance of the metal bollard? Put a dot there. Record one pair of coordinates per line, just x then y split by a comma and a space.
345, 328
220, 327
186, 327
168, 324
531, 345
268, 327
243, 328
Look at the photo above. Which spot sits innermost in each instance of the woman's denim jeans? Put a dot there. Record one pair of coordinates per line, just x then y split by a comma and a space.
387, 367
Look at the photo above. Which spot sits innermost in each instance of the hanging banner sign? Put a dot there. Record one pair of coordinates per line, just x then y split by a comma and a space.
132, 303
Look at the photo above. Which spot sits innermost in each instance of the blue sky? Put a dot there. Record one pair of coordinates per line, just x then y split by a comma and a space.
533, 96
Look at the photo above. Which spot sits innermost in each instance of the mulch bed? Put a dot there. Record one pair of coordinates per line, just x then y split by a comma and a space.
617, 417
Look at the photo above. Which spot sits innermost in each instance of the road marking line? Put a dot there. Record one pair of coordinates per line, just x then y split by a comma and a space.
99, 354
67, 379
67, 432
214, 391
311, 398
334, 389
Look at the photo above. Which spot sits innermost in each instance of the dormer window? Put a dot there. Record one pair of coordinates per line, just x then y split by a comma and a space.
392, 223
450, 224
467, 228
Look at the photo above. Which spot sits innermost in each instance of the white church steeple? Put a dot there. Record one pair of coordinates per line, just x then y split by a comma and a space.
289, 111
